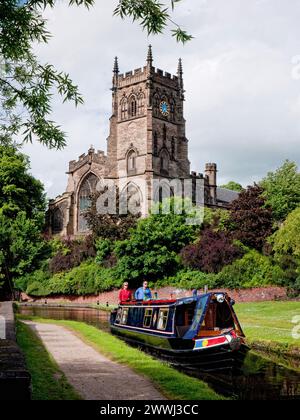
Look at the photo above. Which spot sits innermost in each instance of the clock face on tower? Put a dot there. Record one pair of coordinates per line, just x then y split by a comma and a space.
164, 108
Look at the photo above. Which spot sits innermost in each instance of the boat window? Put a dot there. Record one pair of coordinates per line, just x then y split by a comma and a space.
162, 319
148, 318
119, 313
124, 316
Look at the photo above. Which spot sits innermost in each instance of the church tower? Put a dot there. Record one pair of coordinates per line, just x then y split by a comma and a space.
146, 148
147, 128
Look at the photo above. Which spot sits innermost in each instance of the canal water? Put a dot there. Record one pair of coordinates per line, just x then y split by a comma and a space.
258, 378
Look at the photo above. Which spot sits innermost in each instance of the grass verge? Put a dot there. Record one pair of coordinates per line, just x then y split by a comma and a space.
173, 384
48, 381
273, 324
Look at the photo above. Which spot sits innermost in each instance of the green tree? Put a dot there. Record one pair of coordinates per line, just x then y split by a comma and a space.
252, 270
27, 86
287, 239
282, 190
233, 186
110, 225
152, 250
250, 218
22, 206
21, 248
286, 247
19, 190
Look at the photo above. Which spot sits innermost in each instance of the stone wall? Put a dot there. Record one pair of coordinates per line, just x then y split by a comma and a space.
242, 295
15, 381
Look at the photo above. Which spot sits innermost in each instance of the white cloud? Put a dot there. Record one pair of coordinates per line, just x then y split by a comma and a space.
242, 104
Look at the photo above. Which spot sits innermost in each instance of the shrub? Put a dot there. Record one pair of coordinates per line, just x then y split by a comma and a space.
253, 270
233, 186
36, 289
153, 247
189, 279
211, 253
286, 247
218, 219
72, 254
88, 278
282, 190
104, 248
250, 218
35, 283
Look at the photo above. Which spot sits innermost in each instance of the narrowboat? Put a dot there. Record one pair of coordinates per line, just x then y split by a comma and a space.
202, 329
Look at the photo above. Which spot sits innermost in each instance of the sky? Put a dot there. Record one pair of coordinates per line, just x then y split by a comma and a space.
241, 73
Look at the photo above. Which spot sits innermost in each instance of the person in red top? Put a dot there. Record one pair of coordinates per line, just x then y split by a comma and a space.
124, 294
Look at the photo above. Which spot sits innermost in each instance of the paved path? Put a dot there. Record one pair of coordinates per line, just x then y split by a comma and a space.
92, 375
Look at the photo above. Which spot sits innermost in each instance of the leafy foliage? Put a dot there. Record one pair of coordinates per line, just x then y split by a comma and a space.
72, 254
286, 241
253, 270
250, 218
88, 278
19, 190
152, 249
233, 186
189, 279
27, 86
282, 190
104, 253
153, 16
22, 205
286, 247
218, 219
108, 225
211, 253
21, 247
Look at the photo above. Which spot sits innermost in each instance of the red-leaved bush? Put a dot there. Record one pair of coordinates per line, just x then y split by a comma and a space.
250, 219
211, 253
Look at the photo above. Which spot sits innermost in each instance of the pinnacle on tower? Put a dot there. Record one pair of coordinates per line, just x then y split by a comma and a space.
180, 73
116, 66
115, 74
150, 56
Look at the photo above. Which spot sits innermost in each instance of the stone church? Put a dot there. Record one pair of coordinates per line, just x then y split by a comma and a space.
147, 141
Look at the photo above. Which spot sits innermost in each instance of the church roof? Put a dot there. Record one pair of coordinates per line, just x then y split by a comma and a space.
225, 195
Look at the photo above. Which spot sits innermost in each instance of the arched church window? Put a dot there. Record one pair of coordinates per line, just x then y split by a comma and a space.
131, 199
141, 103
123, 109
87, 188
133, 106
57, 221
165, 133
131, 162
155, 144
156, 102
173, 149
172, 110
164, 162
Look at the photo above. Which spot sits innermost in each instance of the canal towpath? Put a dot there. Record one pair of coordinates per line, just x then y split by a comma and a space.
91, 374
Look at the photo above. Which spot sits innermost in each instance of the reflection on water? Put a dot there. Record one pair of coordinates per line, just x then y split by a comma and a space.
99, 319
257, 379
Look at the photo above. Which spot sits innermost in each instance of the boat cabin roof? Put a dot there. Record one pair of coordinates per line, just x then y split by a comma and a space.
169, 302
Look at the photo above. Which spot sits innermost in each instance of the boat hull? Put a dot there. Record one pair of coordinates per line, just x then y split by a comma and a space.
183, 353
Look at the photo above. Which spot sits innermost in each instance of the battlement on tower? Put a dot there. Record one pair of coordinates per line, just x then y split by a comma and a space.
130, 77
141, 74
92, 156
